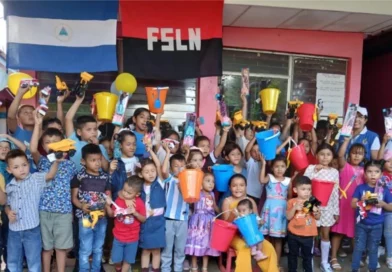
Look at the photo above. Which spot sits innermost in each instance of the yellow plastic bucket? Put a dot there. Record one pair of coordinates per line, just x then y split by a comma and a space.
106, 104
269, 99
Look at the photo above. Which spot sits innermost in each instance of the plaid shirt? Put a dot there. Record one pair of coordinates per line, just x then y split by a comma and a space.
23, 197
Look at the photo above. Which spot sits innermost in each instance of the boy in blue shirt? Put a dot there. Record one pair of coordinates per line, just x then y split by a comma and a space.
368, 229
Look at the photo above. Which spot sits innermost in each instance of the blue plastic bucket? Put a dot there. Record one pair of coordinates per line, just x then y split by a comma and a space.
222, 174
268, 142
247, 225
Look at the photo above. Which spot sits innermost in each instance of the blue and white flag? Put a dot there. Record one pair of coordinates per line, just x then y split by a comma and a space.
62, 36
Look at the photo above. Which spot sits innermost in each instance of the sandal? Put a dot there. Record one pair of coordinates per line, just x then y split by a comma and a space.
281, 269
195, 268
204, 269
335, 264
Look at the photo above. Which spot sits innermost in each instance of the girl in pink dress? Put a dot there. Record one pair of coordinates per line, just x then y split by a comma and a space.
351, 175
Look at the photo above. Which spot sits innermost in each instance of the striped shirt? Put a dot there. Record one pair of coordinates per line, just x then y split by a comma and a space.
176, 207
23, 197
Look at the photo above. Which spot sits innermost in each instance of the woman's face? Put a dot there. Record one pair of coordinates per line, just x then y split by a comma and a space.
238, 187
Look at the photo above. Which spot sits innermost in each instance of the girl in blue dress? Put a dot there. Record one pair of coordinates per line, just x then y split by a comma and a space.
152, 233
274, 210
138, 124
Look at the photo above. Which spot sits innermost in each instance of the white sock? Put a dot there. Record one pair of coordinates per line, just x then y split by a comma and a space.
325, 251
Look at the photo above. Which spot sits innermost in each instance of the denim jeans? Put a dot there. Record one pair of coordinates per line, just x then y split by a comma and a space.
366, 236
91, 242
30, 242
388, 233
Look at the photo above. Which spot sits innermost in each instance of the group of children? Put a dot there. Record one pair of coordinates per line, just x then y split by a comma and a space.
132, 181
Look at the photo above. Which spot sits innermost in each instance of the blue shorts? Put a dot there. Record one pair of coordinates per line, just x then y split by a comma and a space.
124, 252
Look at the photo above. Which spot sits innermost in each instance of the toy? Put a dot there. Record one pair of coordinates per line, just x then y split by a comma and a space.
29, 83
94, 216
189, 129
292, 108
61, 86
171, 143
333, 120
371, 199
224, 116
388, 120
148, 139
258, 126
43, 100
122, 103
80, 87
57, 149
309, 204
349, 120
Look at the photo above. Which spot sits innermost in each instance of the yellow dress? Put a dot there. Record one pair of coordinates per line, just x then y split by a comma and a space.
244, 262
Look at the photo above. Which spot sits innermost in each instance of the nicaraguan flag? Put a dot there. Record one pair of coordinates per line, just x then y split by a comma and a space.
62, 36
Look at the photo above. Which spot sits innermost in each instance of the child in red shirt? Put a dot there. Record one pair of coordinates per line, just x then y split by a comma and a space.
129, 212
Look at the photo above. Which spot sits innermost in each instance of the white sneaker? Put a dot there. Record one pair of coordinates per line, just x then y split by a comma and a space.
325, 267
389, 263
378, 263
110, 261
186, 265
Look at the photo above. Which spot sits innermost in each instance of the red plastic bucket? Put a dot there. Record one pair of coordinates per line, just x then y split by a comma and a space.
306, 116
322, 189
222, 234
298, 157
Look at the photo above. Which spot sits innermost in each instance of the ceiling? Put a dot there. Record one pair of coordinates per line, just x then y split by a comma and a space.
292, 18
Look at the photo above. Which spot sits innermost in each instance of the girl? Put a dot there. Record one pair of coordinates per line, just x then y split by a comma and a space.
194, 158
199, 226
351, 175
170, 136
237, 185
152, 235
124, 163
274, 210
368, 229
138, 125
329, 213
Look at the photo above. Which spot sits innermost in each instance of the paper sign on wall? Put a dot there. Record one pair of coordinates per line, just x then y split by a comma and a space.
331, 89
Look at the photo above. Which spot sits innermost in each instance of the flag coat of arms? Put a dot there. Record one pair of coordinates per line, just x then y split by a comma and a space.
62, 36
172, 39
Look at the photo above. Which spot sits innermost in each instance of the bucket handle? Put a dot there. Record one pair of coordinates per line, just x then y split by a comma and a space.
275, 135
223, 213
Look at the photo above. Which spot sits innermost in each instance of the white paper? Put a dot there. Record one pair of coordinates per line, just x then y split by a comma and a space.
331, 90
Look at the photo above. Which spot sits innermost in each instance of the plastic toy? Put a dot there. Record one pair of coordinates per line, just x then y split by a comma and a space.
190, 125
30, 83
61, 86
333, 120
122, 103
149, 136
258, 126
371, 199
292, 108
80, 87
94, 216
309, 204
171, 143
224, 117
349, 120
57, 149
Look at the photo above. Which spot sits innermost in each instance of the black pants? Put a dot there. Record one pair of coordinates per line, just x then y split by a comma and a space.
306, 245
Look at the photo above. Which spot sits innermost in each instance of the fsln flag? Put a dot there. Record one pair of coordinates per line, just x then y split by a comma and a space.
62, 36
172, 39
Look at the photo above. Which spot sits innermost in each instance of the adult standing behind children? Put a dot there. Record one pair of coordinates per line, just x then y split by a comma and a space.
361, 135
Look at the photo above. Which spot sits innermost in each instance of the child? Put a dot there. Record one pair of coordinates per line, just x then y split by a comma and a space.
88, 195
55, 205
244, 208
351, 175
123, 166
199, 229
387, 181
330, 213
127, 226
152, 235
368, 230
24, 193
86, 132
107, 144
274, 210
169, 135
52, 123
8, 143
139, 127
203, 143
302, 226
176, 213
195, 158
253, 167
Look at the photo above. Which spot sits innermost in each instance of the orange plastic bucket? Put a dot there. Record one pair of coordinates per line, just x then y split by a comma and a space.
298, 157
222, 234
156, 98
106, 104
190, 184
306, 114
322, 190
269, 99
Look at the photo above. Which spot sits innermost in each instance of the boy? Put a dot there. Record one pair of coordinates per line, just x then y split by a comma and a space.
86, 132
24, 194
302, 226
176, 214
88, 195
127, 223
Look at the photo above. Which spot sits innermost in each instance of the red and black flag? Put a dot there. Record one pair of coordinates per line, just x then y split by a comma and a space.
172, 39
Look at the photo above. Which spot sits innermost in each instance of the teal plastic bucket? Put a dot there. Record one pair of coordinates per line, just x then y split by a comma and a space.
222, 174
268, 142
247, 225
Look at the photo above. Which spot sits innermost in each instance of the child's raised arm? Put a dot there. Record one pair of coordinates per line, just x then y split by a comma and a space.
12, 122
226, 215
52, 171
244, 106
314, 144
286, 142
18, 143
342, 153
69, 125
35, 137
60, 101
263, 178
218, 150
381, 152
165, 166
249, 148
156, 162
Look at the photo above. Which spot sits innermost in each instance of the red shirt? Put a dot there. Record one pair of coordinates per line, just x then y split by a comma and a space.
127, 228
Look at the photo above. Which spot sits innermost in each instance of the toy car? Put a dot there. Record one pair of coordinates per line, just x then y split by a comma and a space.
64, 146
80, 87
258, 126
309, 204
61, 86
24, 83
